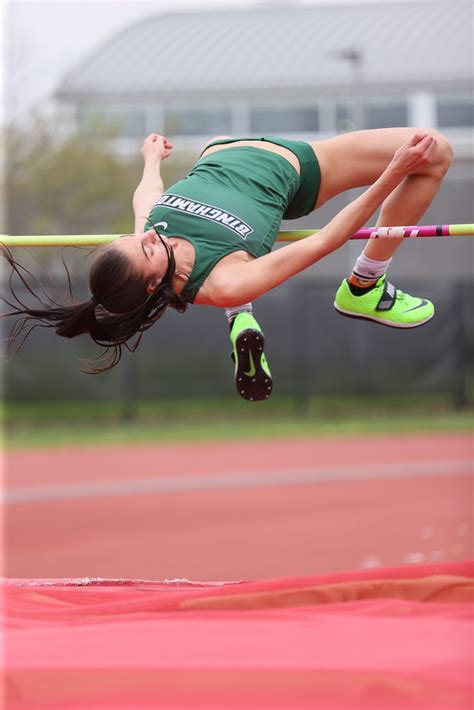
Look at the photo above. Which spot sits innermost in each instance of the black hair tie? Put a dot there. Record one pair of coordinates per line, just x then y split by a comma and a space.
94, 301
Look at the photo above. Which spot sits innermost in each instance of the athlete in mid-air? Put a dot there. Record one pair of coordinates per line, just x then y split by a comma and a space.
208, 239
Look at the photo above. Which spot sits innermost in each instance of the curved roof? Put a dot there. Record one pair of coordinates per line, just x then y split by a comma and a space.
276, 47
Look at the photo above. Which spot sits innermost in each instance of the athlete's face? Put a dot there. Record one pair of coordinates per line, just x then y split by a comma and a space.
148, 254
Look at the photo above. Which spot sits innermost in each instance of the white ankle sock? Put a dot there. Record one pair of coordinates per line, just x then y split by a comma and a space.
232, 312
366, 269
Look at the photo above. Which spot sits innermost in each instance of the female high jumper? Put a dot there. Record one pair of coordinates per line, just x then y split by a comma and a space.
208, 238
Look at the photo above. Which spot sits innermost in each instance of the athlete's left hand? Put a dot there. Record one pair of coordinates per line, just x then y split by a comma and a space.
415, 154
156, 146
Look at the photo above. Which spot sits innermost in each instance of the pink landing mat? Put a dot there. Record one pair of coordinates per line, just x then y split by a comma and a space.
384, 638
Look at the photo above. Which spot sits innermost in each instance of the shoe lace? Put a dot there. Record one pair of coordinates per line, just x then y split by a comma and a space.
402, 297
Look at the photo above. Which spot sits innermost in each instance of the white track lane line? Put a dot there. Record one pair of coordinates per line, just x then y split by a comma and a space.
237, 479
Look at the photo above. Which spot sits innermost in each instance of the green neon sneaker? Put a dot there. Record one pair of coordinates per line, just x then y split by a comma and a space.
252, 376
384, 304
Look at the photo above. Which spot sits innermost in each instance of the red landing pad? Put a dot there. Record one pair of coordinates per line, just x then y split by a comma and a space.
372, 639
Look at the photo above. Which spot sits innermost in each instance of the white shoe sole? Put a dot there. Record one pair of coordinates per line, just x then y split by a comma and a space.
351, 314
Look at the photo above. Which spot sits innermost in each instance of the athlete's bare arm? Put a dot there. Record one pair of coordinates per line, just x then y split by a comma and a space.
155, 149
235, 282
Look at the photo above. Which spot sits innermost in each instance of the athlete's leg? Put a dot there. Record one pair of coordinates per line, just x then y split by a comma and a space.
358, 159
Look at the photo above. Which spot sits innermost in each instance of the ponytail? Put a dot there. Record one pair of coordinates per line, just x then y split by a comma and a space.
116, 316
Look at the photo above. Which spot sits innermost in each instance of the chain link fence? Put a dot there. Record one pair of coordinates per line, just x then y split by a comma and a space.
312, 350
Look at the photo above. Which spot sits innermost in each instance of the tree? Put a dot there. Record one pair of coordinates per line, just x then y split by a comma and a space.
72, 185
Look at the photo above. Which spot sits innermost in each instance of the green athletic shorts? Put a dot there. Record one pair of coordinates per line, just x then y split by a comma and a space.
304, 199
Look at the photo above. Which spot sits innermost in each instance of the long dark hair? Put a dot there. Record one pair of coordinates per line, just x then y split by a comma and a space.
117, 315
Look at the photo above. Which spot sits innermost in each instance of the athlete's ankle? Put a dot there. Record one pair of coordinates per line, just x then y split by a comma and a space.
365, 274
359, 286
232, 313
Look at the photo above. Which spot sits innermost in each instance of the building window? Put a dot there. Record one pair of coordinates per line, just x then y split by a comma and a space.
385, 115
284, 119
120, 121
371, 114
455, 112
189, 121
345, 119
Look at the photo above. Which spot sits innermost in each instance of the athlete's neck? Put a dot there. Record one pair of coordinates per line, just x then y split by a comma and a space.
184, 255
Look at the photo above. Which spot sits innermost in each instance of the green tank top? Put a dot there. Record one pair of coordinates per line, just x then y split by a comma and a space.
232, 200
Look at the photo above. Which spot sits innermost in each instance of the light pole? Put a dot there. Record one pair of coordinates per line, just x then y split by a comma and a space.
354, 99
354, 56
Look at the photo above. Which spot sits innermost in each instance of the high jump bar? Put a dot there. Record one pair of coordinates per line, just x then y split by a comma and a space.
92, 240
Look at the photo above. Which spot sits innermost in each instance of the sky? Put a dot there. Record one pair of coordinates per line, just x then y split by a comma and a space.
42, 39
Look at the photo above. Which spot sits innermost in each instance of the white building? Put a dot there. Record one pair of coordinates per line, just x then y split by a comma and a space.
300, 72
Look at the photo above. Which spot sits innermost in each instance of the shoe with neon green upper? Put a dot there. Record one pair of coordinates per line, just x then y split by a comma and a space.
385, 304
252, 376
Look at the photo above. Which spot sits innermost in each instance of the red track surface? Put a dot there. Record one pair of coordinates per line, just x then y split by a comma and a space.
405, 514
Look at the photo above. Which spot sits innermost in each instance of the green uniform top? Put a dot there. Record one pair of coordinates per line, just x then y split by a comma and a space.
232, 200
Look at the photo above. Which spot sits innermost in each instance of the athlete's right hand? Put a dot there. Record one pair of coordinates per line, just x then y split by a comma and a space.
415, 153
156, 146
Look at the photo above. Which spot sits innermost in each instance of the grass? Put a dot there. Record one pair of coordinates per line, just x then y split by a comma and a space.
47, 424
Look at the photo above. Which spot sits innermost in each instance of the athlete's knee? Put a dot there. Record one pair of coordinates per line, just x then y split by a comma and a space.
444, 153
